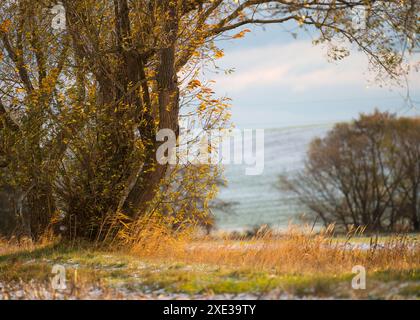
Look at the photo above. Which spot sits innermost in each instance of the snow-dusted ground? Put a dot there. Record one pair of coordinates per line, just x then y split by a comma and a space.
36, 291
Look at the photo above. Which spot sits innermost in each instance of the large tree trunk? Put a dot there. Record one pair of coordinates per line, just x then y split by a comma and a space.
152, 173
120, 84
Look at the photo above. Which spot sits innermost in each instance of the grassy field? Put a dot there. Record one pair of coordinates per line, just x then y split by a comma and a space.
295, 265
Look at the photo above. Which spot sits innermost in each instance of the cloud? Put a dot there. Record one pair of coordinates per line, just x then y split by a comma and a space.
293, 83
296, 66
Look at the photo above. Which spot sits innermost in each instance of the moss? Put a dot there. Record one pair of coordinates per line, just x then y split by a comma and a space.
411, 291
25, 272
240, 281
396, 275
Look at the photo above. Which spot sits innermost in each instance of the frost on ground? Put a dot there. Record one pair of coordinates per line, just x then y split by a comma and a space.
38, 291
295, 267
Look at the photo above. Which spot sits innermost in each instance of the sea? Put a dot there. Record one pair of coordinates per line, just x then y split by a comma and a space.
257, 200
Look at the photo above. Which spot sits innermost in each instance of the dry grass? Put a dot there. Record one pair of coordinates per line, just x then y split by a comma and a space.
157, 261
296, 251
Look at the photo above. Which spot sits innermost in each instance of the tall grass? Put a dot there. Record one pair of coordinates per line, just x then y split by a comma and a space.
299, 250
295, 259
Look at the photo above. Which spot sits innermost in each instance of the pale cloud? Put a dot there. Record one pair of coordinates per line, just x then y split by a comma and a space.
297, 66
292, 83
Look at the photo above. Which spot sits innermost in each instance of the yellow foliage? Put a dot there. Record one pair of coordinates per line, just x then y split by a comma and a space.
219, 54
5, 26
241, 34
194, 84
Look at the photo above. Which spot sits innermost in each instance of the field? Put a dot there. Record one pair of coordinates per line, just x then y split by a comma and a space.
291, 266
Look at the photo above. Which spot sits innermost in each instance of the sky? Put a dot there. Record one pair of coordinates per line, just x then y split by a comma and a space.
281, 81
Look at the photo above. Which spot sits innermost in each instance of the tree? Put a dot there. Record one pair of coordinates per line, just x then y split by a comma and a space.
363, 173
80, 108
407, 152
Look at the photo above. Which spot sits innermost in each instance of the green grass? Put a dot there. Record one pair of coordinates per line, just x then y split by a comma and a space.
411, 291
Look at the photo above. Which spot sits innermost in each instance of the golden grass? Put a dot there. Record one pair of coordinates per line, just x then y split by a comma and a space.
299, 262
299, 250
296, 251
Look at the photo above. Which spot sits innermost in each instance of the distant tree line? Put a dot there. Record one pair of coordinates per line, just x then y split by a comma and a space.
364, 173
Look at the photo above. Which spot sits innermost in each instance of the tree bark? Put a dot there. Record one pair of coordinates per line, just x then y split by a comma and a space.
148, 181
